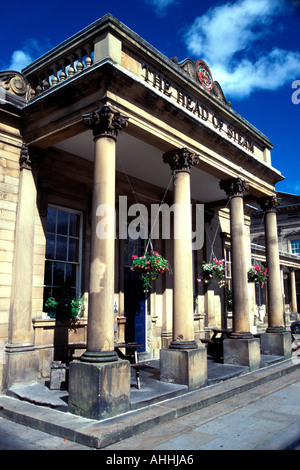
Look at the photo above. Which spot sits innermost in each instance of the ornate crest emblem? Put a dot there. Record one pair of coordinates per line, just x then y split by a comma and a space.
204, 75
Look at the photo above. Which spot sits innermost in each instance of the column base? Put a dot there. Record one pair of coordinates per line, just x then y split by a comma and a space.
183, 345
184, 366
241, 335
21, 365
243, 352
99, 390
99, 356
276, 343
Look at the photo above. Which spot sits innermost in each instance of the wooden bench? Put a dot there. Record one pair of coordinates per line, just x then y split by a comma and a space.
131, 356
215, 343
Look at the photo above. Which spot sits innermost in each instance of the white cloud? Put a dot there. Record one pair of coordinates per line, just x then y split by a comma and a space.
161, 5
19, 60
229, 38
31, 49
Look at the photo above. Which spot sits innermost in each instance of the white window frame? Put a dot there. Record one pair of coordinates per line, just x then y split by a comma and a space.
80, 232
291, 248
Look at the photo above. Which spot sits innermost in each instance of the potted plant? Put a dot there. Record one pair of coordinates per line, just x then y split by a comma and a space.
76, 306
258, 274
149, 267
214, 270
51, 305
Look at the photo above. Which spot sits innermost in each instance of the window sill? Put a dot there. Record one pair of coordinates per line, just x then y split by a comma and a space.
47, 321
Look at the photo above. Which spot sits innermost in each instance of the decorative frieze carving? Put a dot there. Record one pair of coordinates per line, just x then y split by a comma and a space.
269, 203
181, 159
234, 187
106, 122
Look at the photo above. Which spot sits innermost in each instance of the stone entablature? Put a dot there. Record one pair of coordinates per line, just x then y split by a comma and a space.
107, 40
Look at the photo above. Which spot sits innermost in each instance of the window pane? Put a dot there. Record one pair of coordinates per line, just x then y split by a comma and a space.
51, 220
73, 249
48, 273
58, 274
47, 293
61, 248
62, 243
62, 222
74, 225
71, 275
295, 245
50, 247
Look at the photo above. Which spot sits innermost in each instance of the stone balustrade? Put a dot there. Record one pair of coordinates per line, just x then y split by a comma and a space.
60, 67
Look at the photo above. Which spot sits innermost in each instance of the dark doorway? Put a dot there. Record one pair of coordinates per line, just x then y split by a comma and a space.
135, 309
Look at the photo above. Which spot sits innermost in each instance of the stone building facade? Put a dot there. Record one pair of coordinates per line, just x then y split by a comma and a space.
97, 137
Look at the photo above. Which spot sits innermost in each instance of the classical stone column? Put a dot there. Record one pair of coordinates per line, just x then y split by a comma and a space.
22, 363
181, 162
276, 340
183, 361
293, 293
100, 383
246, 351
235, 190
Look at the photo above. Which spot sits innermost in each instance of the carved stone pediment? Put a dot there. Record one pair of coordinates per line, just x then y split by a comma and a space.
199, 71
14, 83
189, 67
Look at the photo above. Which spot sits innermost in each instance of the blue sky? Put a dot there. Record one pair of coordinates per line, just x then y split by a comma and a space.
251, 46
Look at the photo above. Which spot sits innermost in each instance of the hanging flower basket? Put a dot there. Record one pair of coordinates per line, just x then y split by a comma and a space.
149, 267
215, 270
258, 274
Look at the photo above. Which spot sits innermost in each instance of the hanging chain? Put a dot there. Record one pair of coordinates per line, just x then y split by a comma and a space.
149, 242
212, 253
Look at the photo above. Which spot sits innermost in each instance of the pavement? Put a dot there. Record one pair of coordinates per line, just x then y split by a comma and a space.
157, 404
264, 418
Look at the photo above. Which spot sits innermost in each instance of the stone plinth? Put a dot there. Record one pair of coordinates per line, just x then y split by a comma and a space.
243, 352
99, 390
184, 366
21, 365
278, 344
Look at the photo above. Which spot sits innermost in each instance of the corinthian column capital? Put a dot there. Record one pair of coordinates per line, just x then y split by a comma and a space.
269, 203
234, 187
181, 159
106, 122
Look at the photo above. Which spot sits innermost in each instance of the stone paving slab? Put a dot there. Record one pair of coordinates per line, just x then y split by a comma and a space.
15, 436
284, 440
99, 434
252, 420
